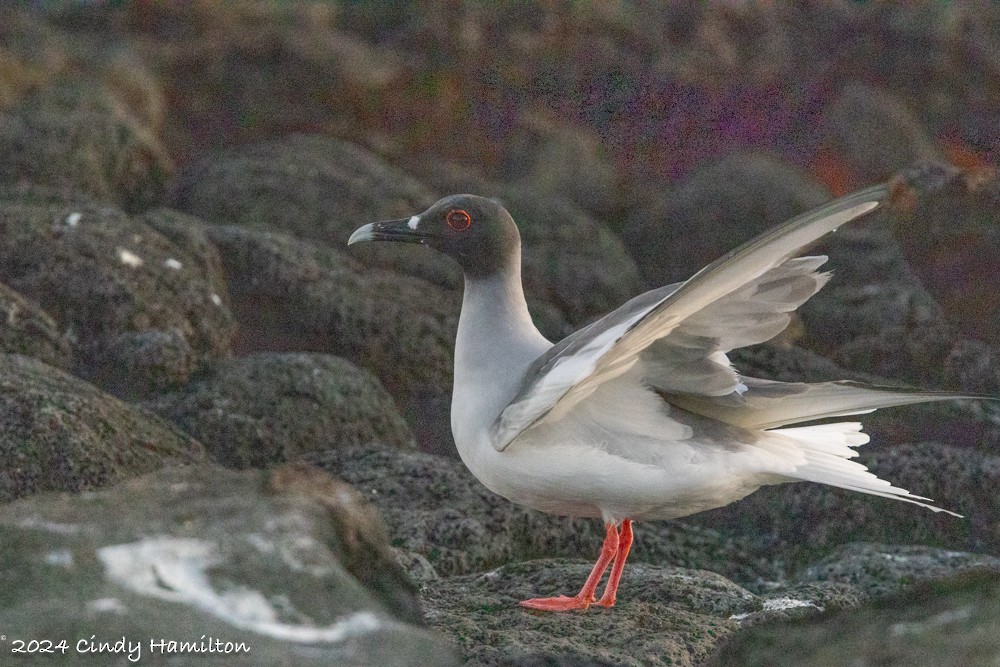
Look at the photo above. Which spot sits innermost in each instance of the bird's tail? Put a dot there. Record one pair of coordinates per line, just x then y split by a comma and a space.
822, 454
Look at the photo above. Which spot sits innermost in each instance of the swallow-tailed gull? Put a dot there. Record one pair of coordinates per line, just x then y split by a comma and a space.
640, 415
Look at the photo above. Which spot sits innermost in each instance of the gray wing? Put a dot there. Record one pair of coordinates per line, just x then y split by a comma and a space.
770, 404
681, 334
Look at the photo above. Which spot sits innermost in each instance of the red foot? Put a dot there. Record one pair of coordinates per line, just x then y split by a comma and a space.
561, 603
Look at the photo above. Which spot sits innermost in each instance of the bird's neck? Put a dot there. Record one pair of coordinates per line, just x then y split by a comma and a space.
496, 343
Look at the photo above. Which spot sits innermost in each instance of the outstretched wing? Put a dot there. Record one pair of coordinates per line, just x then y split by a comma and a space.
681, 333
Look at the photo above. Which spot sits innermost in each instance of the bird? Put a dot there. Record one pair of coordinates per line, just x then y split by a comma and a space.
640, 415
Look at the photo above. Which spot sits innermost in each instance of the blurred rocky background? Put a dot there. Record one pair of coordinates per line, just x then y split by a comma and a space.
216, 420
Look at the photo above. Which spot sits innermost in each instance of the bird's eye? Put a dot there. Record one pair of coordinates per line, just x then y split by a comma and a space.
458, 219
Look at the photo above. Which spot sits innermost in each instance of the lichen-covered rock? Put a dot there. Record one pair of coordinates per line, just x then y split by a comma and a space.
75, 136
947, 223
875, 132
101, 274
147, 362
269, 408
950, 622
27, 329
291, 295
190, 234
879, 569
313, 187
58, 433
664, 615
676, 231
292, 564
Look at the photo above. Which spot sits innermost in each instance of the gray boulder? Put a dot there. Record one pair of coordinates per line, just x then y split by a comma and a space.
78, 136
291, 295
677, 230
270, 408
312, 187
291, 565
101, 274
951, 622
27, 329
58, 433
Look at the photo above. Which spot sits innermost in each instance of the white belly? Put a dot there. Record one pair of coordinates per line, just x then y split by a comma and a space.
570, 479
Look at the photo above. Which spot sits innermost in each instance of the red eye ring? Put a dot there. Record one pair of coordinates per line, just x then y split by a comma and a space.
458, 219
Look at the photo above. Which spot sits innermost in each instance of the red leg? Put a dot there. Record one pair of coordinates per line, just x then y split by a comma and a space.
624, 544
585, 597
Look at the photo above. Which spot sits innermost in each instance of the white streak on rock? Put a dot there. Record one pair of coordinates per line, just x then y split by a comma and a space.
175, 569
173, 264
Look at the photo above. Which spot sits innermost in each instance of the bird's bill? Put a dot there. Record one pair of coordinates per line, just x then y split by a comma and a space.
387, 230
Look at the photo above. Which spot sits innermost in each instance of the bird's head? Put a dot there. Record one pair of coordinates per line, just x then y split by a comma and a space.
476, 232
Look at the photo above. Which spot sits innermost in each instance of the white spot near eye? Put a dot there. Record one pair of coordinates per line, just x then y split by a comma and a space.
73, 219
173, 264
129, 258
216, 299
414, 221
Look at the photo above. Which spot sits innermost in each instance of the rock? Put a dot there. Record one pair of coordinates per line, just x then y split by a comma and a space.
190, 234
566, 161
665, 615
269, 408
291, 295
875, 132
27, 329
32, 55
676, 231
101, 274
75, 136
947, 224
58, 433
315, 188
950, 622
236, 75
881, 569
291, 564
148, 362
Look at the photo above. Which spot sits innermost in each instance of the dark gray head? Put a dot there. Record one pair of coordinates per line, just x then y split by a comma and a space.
476, 232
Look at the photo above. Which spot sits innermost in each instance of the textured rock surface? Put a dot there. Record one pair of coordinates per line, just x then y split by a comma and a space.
312, 187
75, 137
269, 408
58, 433
677, 230
101, 274
27, 329
952, 623
293, 295
292, 564
875, 132
947, 224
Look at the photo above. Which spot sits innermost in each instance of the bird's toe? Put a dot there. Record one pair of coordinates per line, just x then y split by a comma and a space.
560, 603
